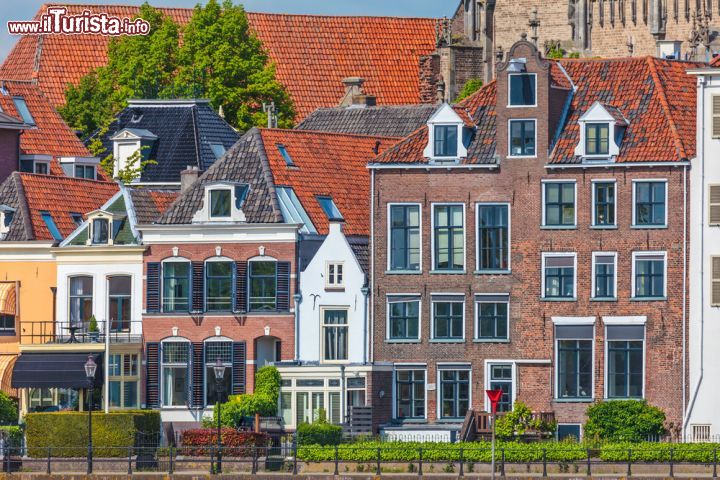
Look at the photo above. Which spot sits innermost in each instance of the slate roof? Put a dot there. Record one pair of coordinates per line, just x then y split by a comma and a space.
30, 194
388, 121
655, 97
150, 204
185, 130
312, 54
325, 164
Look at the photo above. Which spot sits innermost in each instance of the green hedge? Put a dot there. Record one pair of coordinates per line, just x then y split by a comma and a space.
66, 432
659, 452
436, 452
320, 433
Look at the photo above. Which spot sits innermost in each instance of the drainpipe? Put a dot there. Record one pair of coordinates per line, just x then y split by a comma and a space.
107, 366
298, 300
342, 393
366, 294
372, 260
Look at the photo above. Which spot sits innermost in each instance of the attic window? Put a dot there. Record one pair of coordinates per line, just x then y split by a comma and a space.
292, 210
77, 218
218, 149
23, 110
597, 139
100, 231
85, 171
446, 144
330, 209
522, 89
286, 156
241, 192
136, 116
50, 224
220, 203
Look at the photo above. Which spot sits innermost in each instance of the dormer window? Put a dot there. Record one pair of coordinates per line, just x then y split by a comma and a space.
85, 171
35, 164
602, 129
597, 140
100, 231
522, 89
6, 216
80, 167
522, 138
446, 140
102, 228
220, 203
223, 202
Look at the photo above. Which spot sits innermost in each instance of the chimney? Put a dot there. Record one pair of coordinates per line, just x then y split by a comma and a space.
188, 177
354, 94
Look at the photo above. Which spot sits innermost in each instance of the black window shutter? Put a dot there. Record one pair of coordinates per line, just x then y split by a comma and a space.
283, 286
240, 287
153, 287
198, 287
239, 366
197, 399
152, 375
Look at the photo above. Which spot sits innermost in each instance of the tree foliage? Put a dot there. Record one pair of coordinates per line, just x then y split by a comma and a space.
263, 401
518, 421
470, 87
8, 409
218, 57
625, 420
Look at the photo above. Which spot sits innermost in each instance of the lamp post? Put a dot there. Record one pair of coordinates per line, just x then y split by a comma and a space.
219, 370
90, 368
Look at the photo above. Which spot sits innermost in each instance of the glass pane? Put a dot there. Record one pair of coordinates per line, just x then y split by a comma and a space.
220, 203
119, 285
286, 408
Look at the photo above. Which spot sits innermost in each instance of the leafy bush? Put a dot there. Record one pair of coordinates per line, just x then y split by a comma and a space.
8, 409
67, 432
625, 420
518, 421
658, 452
13, 434
319, 433
263, 401
470, 87
238, 444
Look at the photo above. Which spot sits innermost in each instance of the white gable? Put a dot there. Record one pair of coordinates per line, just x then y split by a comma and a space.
445, 115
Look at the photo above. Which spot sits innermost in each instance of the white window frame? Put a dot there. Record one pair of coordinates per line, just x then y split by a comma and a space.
488, 368
615, 198
615, 276
570, 424
573, 321
509, 139
459, 366
389, 239
338, 267
634, 188
323, 309
162, 283
207, 362
233, 282
108, 217
409, 366
509, 93
575, 203
388, 339
432, 318
161, 366
476, 323
641, 254
215, 188
432, 237
123, 378
546, 255
607, 321
477, 238
459, 134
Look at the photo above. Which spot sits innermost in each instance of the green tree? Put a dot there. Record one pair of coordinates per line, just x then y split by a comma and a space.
470, 87
8, 409
624, 420
220, 49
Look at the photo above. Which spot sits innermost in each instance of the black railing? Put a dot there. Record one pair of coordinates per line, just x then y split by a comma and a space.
50, 332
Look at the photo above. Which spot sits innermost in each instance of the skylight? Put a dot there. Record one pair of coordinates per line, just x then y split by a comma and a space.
330, 208
292, 210
23, 110
286, 156
241, 192
77, 218
218, 149
50, 224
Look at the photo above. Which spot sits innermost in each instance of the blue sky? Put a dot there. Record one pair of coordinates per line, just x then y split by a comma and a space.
25, 9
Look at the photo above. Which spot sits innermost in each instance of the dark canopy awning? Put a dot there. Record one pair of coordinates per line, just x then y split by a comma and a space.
61, 370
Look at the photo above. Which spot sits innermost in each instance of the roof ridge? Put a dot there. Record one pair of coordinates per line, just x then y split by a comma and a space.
323, 132
23, 205
63, 178
267, 172
677, 139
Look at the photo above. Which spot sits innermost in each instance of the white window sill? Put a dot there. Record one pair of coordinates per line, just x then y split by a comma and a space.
574, 400
491, 340
558, 227
604, 227
448, 272
648, 227
492, 272
402, 340
446, 340
558, 299
606, 299
648, 299
403, 272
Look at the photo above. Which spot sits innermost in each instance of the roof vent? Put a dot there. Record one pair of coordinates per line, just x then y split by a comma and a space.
136, 116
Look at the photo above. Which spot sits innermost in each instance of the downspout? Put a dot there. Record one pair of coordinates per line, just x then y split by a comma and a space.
107, 366
366, 294
372, 261
298, 300
701, 157
684, 300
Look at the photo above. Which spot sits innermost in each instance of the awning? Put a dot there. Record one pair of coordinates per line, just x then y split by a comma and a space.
8, 305
6, 367
61, 370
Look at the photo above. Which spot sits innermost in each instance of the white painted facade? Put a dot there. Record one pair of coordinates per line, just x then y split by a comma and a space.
703, 417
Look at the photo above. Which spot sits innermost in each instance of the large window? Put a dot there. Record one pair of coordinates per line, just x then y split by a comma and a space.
175, 367
449, 237
604, 204
176, 286
85, 171
446, 140
335, 335
410, 394
100, 231
625, 364
80, 300
214, 351
448, 317
574, 361
650, 204
220, 203
501, 378
219, 286
404, 318
492, 317
522, 138
454, 393
604, 275
493, 237
559, 276
123, 381
559, 199
405, 237
597, 141
119, 302
263, 286
522, 89
649, 278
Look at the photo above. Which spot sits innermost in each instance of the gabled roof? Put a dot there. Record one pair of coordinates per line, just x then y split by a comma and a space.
324, 164
30, 194
149, 204
312, 54
389, 121
184, 130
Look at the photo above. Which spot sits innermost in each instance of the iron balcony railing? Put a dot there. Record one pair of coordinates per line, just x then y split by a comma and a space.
50, 332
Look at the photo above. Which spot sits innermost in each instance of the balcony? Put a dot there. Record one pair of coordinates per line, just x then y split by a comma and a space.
56, 333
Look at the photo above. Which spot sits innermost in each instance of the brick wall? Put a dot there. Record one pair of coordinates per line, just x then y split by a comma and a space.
9, 140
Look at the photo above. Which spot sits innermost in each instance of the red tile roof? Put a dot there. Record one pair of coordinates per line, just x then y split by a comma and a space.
326, 164
312, 54
61, 196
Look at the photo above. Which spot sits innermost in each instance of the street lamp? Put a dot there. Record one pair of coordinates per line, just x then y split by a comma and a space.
219, 370
90, 368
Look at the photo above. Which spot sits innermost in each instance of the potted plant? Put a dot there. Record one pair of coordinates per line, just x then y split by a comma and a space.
93, 330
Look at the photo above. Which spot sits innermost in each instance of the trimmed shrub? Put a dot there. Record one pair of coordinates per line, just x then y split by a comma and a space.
13, 434
237, 444
658, 452
67, 432
319, 433
624, 420
516, 422
264, 401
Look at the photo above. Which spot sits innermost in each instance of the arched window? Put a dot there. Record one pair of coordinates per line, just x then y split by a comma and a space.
218, 350
176, 286
119, 302
80, 299
175, 373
